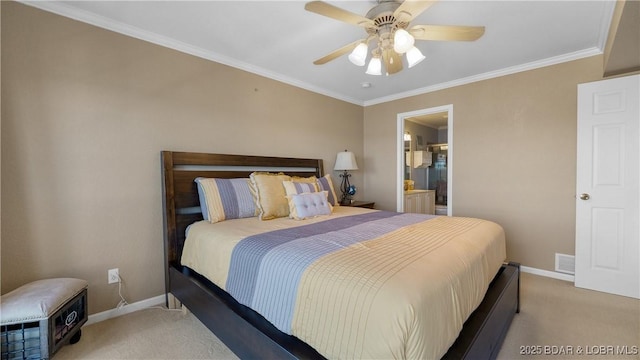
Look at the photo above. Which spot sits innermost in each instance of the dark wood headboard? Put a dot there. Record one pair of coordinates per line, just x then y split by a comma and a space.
180, 193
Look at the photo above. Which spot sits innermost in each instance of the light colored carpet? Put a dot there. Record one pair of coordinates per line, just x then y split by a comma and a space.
555, 317
147, 334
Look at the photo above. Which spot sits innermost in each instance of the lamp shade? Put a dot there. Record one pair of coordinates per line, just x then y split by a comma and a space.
414, 57
359, 55
346, 160
375, 66
402, 41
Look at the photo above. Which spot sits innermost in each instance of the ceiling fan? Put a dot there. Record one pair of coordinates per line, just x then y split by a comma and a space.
387, 24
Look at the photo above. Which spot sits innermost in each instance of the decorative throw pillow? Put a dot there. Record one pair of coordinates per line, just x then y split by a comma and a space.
225, 199
269, 194
326, 184
310, 179
298, 187
308, 205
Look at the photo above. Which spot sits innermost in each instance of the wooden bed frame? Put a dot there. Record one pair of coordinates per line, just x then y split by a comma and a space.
246, 332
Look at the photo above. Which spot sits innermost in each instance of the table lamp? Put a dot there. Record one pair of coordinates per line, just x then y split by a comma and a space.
345, 161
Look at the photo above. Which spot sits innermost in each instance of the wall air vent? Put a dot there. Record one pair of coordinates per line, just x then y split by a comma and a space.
566, 264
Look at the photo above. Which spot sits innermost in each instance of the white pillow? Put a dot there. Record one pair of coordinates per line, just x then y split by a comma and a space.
308, 205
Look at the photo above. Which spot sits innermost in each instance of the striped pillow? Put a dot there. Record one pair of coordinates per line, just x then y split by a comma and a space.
225, 199
298, 187
326, 184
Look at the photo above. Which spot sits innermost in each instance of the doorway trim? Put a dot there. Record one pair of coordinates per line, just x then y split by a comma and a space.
400, 152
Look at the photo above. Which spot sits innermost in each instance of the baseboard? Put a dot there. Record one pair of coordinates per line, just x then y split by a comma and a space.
110, 314
547, 273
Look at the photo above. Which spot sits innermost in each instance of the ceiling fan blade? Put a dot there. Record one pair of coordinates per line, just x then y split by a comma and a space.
328, 10
447, 32
392, 61
410, 9
337, 53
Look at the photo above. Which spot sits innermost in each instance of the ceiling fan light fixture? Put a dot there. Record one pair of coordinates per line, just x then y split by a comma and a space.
375, 66
402, 41
359, 55
386, 26
414, 57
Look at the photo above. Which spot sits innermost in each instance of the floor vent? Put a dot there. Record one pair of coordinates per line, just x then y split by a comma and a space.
566, 264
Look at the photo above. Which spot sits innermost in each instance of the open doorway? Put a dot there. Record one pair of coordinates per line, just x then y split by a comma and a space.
426, 132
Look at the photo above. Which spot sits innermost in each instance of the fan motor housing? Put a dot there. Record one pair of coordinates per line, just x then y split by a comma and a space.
383, 17
382, 14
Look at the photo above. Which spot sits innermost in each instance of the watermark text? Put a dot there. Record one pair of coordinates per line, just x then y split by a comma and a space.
594, 350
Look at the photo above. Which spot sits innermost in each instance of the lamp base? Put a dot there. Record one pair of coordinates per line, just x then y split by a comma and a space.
344, 187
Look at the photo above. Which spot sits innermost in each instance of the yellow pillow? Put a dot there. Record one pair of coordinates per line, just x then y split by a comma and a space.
269, 194
310, 179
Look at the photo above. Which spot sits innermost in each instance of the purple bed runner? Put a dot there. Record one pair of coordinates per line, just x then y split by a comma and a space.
265, 268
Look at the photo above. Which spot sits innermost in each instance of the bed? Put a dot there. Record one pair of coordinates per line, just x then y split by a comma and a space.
323, 316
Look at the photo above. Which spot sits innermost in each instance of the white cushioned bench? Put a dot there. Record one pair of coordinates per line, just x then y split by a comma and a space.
37, 318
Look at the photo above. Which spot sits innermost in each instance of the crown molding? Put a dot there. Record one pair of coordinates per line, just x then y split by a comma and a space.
164, 41
489, 75
135, 32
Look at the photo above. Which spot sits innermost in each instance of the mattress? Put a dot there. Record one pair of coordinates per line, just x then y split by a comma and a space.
358, 283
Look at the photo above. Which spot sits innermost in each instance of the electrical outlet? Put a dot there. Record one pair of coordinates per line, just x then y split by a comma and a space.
113, 276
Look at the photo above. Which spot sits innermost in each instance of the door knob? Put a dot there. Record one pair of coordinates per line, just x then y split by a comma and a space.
584, 197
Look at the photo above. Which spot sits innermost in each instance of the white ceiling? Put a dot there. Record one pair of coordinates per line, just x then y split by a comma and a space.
280, 40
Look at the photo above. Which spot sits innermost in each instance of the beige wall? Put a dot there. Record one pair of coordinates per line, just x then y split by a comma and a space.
85, 115
514, 154
86, 112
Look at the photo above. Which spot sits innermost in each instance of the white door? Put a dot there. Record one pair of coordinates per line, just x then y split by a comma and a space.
608, 181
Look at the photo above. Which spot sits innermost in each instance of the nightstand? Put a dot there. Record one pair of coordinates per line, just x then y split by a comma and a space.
363, 204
